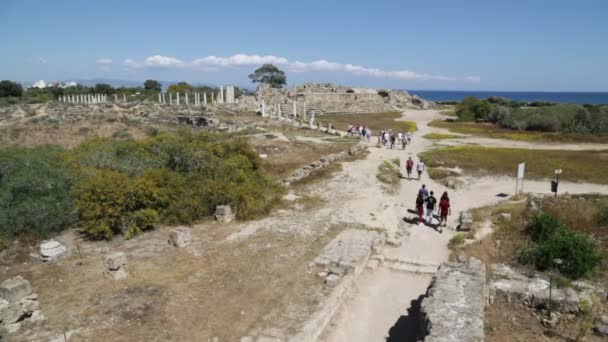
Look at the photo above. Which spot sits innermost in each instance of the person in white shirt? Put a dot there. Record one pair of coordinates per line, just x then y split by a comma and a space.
399, 138
409, 137
420, 168
386, 137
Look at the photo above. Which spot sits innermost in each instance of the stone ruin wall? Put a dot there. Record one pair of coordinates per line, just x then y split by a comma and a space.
329, 98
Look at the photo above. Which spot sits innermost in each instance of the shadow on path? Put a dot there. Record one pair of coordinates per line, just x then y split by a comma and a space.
407, 328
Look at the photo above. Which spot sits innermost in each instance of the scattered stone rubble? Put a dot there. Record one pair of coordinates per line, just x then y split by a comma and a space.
180, 237
347, 253
18, 304
224, 214
534, 291
321, 163
466, 221
51, 250
116, 266
453, 309
145, 112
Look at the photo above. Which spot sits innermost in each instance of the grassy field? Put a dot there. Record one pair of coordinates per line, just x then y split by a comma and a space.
577, 166
493, 131
375, 121
438, 136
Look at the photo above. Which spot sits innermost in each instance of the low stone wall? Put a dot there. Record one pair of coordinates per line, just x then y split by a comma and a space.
343, 259
321, 163
453, 309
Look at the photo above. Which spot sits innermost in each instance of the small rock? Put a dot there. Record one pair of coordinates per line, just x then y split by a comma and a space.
14, 289
180, 237
393, 242
37, 316
550, 323
466, 221
224, 214
115, 261
322, 274
116, 266
332, 280
51, 250
13, 328
505, 217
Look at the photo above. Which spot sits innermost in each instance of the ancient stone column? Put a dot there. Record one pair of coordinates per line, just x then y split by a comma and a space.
295, 111
304, 111
205, 98
263, 108
212, 97
312, 119
177, 99
279, 110
221, 99
186, 96
124, 97
164, 98
115, 97
171, 99
230, 94
160, 99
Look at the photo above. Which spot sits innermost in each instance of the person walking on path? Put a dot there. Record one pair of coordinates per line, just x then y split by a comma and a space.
393, 138
409, 165
420, 208
431, 202
444, 209
423, 192
408, 135
368, 132
420, 168
386, 137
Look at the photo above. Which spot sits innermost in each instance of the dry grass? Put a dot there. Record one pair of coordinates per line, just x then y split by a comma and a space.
577, 166
71, 134
388, 173
286, 157
492, 131
375, 121
229, 291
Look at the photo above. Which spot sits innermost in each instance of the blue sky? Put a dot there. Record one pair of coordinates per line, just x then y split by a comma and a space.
453, 44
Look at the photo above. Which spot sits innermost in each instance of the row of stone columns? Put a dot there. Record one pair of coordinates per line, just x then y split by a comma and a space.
83, 98
275, 112
174, 98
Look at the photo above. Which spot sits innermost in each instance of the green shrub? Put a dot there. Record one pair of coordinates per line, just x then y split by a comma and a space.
542, 226
603, 216
457, 240
554, 240
129, 186
34, 192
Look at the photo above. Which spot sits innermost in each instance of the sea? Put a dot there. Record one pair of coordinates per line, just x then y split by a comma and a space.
524, 96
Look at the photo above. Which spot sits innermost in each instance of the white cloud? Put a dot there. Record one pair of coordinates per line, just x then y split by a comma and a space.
130, 64
42, 60
163, 61
214, 62
103, 61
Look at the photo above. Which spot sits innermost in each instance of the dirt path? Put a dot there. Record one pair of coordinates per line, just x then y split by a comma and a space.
384, 294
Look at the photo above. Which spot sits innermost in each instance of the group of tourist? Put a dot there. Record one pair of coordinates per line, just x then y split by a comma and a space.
426, 206
360, 131
395, 139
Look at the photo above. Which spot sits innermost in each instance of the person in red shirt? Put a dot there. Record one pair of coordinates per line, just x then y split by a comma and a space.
444, 209
409, 165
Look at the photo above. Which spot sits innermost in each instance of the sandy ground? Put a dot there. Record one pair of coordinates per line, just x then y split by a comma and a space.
382, 296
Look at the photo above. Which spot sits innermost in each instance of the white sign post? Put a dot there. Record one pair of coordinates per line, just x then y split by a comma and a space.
521, 170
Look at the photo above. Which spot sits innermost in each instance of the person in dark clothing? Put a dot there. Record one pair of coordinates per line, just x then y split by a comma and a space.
423, 192
420, 208
393, 138
431, 202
